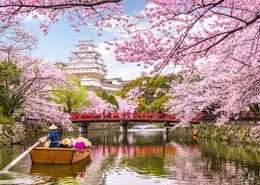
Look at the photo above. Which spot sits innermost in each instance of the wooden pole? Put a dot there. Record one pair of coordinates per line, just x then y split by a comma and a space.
41, 140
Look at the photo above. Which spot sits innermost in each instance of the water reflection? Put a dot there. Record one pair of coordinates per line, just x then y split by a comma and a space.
59, 170
145, 129
9, 153
145, 158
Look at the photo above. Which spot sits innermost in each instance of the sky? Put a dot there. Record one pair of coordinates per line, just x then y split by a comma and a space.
58, 44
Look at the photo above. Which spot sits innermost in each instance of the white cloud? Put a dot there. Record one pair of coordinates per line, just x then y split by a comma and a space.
107, 55
35, 17
126, 72
116, 69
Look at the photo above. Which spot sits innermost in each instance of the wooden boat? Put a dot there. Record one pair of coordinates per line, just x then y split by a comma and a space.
56, 171
45, 155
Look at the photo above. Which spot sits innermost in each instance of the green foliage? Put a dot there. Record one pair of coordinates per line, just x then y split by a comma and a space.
121, 94
9, 79
71, 95
5, 120
9, 73
151, 100
141, 105
108, 97
134, 83
157, 104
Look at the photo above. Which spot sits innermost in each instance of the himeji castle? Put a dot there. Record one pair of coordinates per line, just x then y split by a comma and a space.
86, 63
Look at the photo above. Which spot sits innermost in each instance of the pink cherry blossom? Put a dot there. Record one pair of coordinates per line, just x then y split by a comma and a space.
126, 104
34, 91
97, 104
171, 34
76, 12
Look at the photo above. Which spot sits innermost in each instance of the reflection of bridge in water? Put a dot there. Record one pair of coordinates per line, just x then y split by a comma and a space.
124, 118
133, 151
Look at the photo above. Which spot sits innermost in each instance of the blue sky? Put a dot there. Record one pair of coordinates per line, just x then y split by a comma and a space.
59, 42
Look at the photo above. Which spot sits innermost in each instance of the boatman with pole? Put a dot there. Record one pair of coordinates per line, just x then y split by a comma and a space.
54, 137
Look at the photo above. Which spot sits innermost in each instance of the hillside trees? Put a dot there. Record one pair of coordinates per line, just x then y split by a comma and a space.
110, 98
96, 103
150, 92
118, 100
71, 95
75, 98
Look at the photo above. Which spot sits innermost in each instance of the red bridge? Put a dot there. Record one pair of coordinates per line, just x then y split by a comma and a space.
127, 116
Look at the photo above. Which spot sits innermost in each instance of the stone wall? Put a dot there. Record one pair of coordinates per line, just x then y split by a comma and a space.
232, 133
11, 133
16, 132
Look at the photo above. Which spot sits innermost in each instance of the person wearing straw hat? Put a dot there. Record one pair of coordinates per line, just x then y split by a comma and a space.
54, 137
64, 143
80, 143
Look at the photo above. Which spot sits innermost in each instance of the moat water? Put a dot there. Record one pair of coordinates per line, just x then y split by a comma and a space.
142, 158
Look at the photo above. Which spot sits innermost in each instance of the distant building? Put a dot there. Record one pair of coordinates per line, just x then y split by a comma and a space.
87, 64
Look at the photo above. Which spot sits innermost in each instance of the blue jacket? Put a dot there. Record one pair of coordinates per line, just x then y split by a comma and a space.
54, 137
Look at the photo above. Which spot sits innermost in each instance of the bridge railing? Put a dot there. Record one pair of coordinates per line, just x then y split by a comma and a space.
121, 115
132, 115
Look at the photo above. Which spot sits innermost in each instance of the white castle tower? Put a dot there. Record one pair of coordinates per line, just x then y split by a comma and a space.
87, 64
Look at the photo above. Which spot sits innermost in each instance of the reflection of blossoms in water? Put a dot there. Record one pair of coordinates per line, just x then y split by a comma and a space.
182, 166
80, 177
82, 174
174, 162
190, 165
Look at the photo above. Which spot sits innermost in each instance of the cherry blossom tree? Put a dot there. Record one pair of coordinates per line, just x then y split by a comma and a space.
168, 34
71, 95
174, 34
126, 104
231, 90
31, 95
78, 12
97, 104
15, 39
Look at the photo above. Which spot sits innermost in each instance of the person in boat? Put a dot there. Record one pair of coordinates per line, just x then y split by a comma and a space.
71, 140
87, 142
64, 143
53, 136
82, 143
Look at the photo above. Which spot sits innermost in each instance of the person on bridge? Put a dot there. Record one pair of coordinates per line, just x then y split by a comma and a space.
128, 114
104, 114
53, 136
